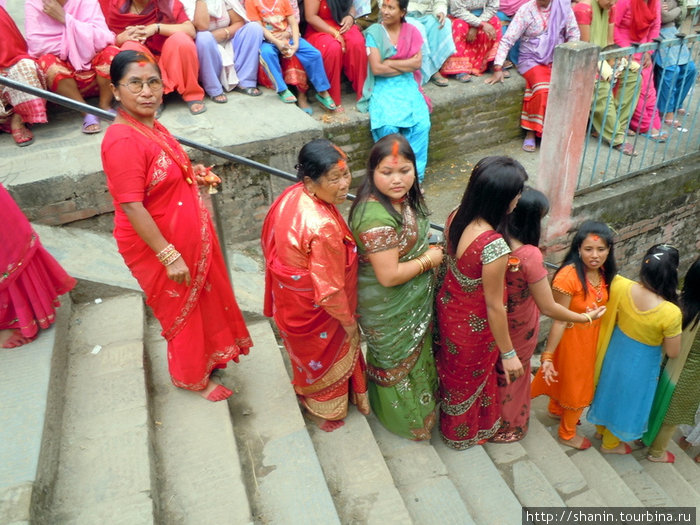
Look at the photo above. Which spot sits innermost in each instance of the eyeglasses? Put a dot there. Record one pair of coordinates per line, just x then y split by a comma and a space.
136, 86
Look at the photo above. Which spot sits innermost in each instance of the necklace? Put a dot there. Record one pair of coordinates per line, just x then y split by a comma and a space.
136, 9
598, 287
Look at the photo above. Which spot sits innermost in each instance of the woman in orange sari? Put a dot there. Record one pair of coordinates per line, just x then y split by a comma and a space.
311, 286
581, 284
165, 234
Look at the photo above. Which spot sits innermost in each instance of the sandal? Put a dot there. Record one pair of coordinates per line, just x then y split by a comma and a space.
463, 77
307, 110
287, 96
659, 136
585, 443
91, 124
529, 145
626, 449
219, 99
668, 457
626, 149
677, 125
507, 64
439, 81
326, 102
250, 91
192, 103
23, 137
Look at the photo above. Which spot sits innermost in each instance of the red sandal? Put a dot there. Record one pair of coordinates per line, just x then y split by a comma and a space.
23, 137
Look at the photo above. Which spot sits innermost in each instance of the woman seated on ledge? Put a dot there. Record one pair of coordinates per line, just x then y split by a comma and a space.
160, 28
228, 47
331, 29
18, 108
74, 49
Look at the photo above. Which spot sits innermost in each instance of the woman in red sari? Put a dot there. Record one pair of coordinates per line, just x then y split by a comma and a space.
165, 235
160, 28
331, 29
471, 305
311, 286
30, 278
18, 108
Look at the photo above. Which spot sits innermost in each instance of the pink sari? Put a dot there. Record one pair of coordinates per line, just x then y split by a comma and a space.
30, 278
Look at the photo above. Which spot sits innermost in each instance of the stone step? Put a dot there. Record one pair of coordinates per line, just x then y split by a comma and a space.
597, 472
666, 475
422, 479
104, 463
487, 496
359, 480
532, 487
197, 468
285, 482
686, 466
32, 383
550, 457
631, 471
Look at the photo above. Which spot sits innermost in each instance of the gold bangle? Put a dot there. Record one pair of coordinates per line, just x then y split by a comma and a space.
426, 260
165, 252
590, 319
173, 257
421, 268
547, 356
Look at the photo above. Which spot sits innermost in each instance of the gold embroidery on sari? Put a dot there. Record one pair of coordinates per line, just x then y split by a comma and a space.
494, 250
461, 408
339, 371
480, 435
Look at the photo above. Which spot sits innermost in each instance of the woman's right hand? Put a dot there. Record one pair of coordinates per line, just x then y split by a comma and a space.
495, 78
179, 272
512, 368
596, 313
548, 372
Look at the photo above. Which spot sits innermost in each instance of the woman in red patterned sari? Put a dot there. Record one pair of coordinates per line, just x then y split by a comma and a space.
471, 305
166, 236
311, 286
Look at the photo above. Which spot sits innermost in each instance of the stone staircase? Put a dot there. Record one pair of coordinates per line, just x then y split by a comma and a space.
93, 432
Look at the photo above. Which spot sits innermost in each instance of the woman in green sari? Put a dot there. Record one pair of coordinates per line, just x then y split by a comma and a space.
396, 289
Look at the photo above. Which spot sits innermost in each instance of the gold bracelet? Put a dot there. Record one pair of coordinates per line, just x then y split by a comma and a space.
336, 34
421, 268
590, 319
547, 356
426, 260
165, 252
173, 257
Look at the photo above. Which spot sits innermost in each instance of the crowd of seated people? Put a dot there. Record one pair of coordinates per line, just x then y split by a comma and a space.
208, 48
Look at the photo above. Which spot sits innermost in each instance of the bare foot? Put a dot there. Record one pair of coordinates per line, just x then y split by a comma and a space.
13, 339
577, 442
325, 424
215, 392
683, 443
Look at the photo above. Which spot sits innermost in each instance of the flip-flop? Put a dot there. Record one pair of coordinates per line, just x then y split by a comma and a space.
463, 77
219, 99
88, 121
22, 136
191, 103
506, 73
439, 81
219, 393
529, 145
250, 91
287, 97
307, 110
626, 149
659, 136
326, 102
668, 457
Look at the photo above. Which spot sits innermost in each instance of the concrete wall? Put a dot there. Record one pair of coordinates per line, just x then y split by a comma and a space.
653, 207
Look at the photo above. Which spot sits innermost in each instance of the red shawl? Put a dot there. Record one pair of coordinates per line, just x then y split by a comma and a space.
643, 15
13, 47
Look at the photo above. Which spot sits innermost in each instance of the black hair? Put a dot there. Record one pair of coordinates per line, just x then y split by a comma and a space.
525, 223
123, 60
403, 6
494, 183
572, 257
611, 47
690, 295
316, 158
659, 271
382, 149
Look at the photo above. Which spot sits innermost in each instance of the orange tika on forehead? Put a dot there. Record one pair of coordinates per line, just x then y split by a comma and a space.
595, 237
395, 152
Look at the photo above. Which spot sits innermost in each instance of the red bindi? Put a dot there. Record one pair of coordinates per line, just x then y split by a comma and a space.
595, 237
142, 64
395, 152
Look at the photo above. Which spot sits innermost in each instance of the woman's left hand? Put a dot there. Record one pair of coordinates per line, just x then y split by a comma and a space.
346, 23
204, 176
489, 30
179, 272
597, 313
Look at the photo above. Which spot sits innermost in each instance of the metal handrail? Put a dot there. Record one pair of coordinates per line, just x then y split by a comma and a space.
106, 115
